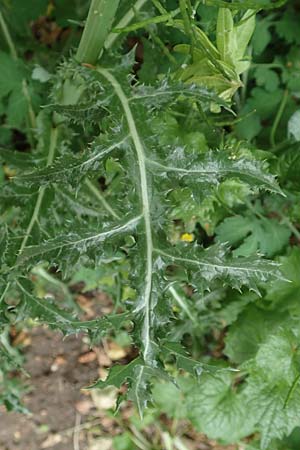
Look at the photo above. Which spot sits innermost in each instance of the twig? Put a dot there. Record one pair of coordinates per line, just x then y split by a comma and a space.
8, 38
76, 431
278, 117
101, 198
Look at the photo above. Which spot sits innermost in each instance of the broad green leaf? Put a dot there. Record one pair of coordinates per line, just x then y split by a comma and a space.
286, 295
278, 357
251, 235
226, 41
267, 78
173, 398
287, 26
250, 330
274, 417
216, 409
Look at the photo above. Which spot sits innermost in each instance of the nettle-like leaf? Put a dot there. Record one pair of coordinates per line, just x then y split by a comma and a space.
219, 410
151, 171
264, 235
272, 391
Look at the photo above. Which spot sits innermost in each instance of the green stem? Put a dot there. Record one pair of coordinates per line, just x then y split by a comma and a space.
26, 94
250, 4
4, 292
278, 117
182, 304
8, 38
291, 226
38, 204
145, 23
100, 197
159, 6
111, 38
98, 24
188, 26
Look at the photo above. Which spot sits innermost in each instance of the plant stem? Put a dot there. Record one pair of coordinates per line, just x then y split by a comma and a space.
278, 117
182, 304
4, 292
291, 226
8, 38
26, 94
38, 204
98, 24
112, 37
100, 197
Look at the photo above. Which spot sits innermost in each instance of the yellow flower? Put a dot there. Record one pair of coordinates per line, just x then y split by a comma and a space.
187, 237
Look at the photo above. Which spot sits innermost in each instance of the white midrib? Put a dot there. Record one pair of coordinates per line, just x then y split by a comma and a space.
99, 236
145, 201
212, 265
137, 385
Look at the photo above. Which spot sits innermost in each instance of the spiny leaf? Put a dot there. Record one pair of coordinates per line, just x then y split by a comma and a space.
91, 112
19, 160
74, 242
213, 167
162, 94
119, 374
247, 4
185, 362
47, 311
214, 263
71, 168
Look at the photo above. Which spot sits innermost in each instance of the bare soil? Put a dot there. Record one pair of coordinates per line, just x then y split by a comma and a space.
56, 379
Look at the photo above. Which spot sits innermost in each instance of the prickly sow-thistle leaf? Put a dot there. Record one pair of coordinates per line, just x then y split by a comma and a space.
70, 169
215, 263
137, 376
119, 374
47, 311
212, 168
81, 113
74, 243
128, 136
17, 159
185, 362
166, 92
